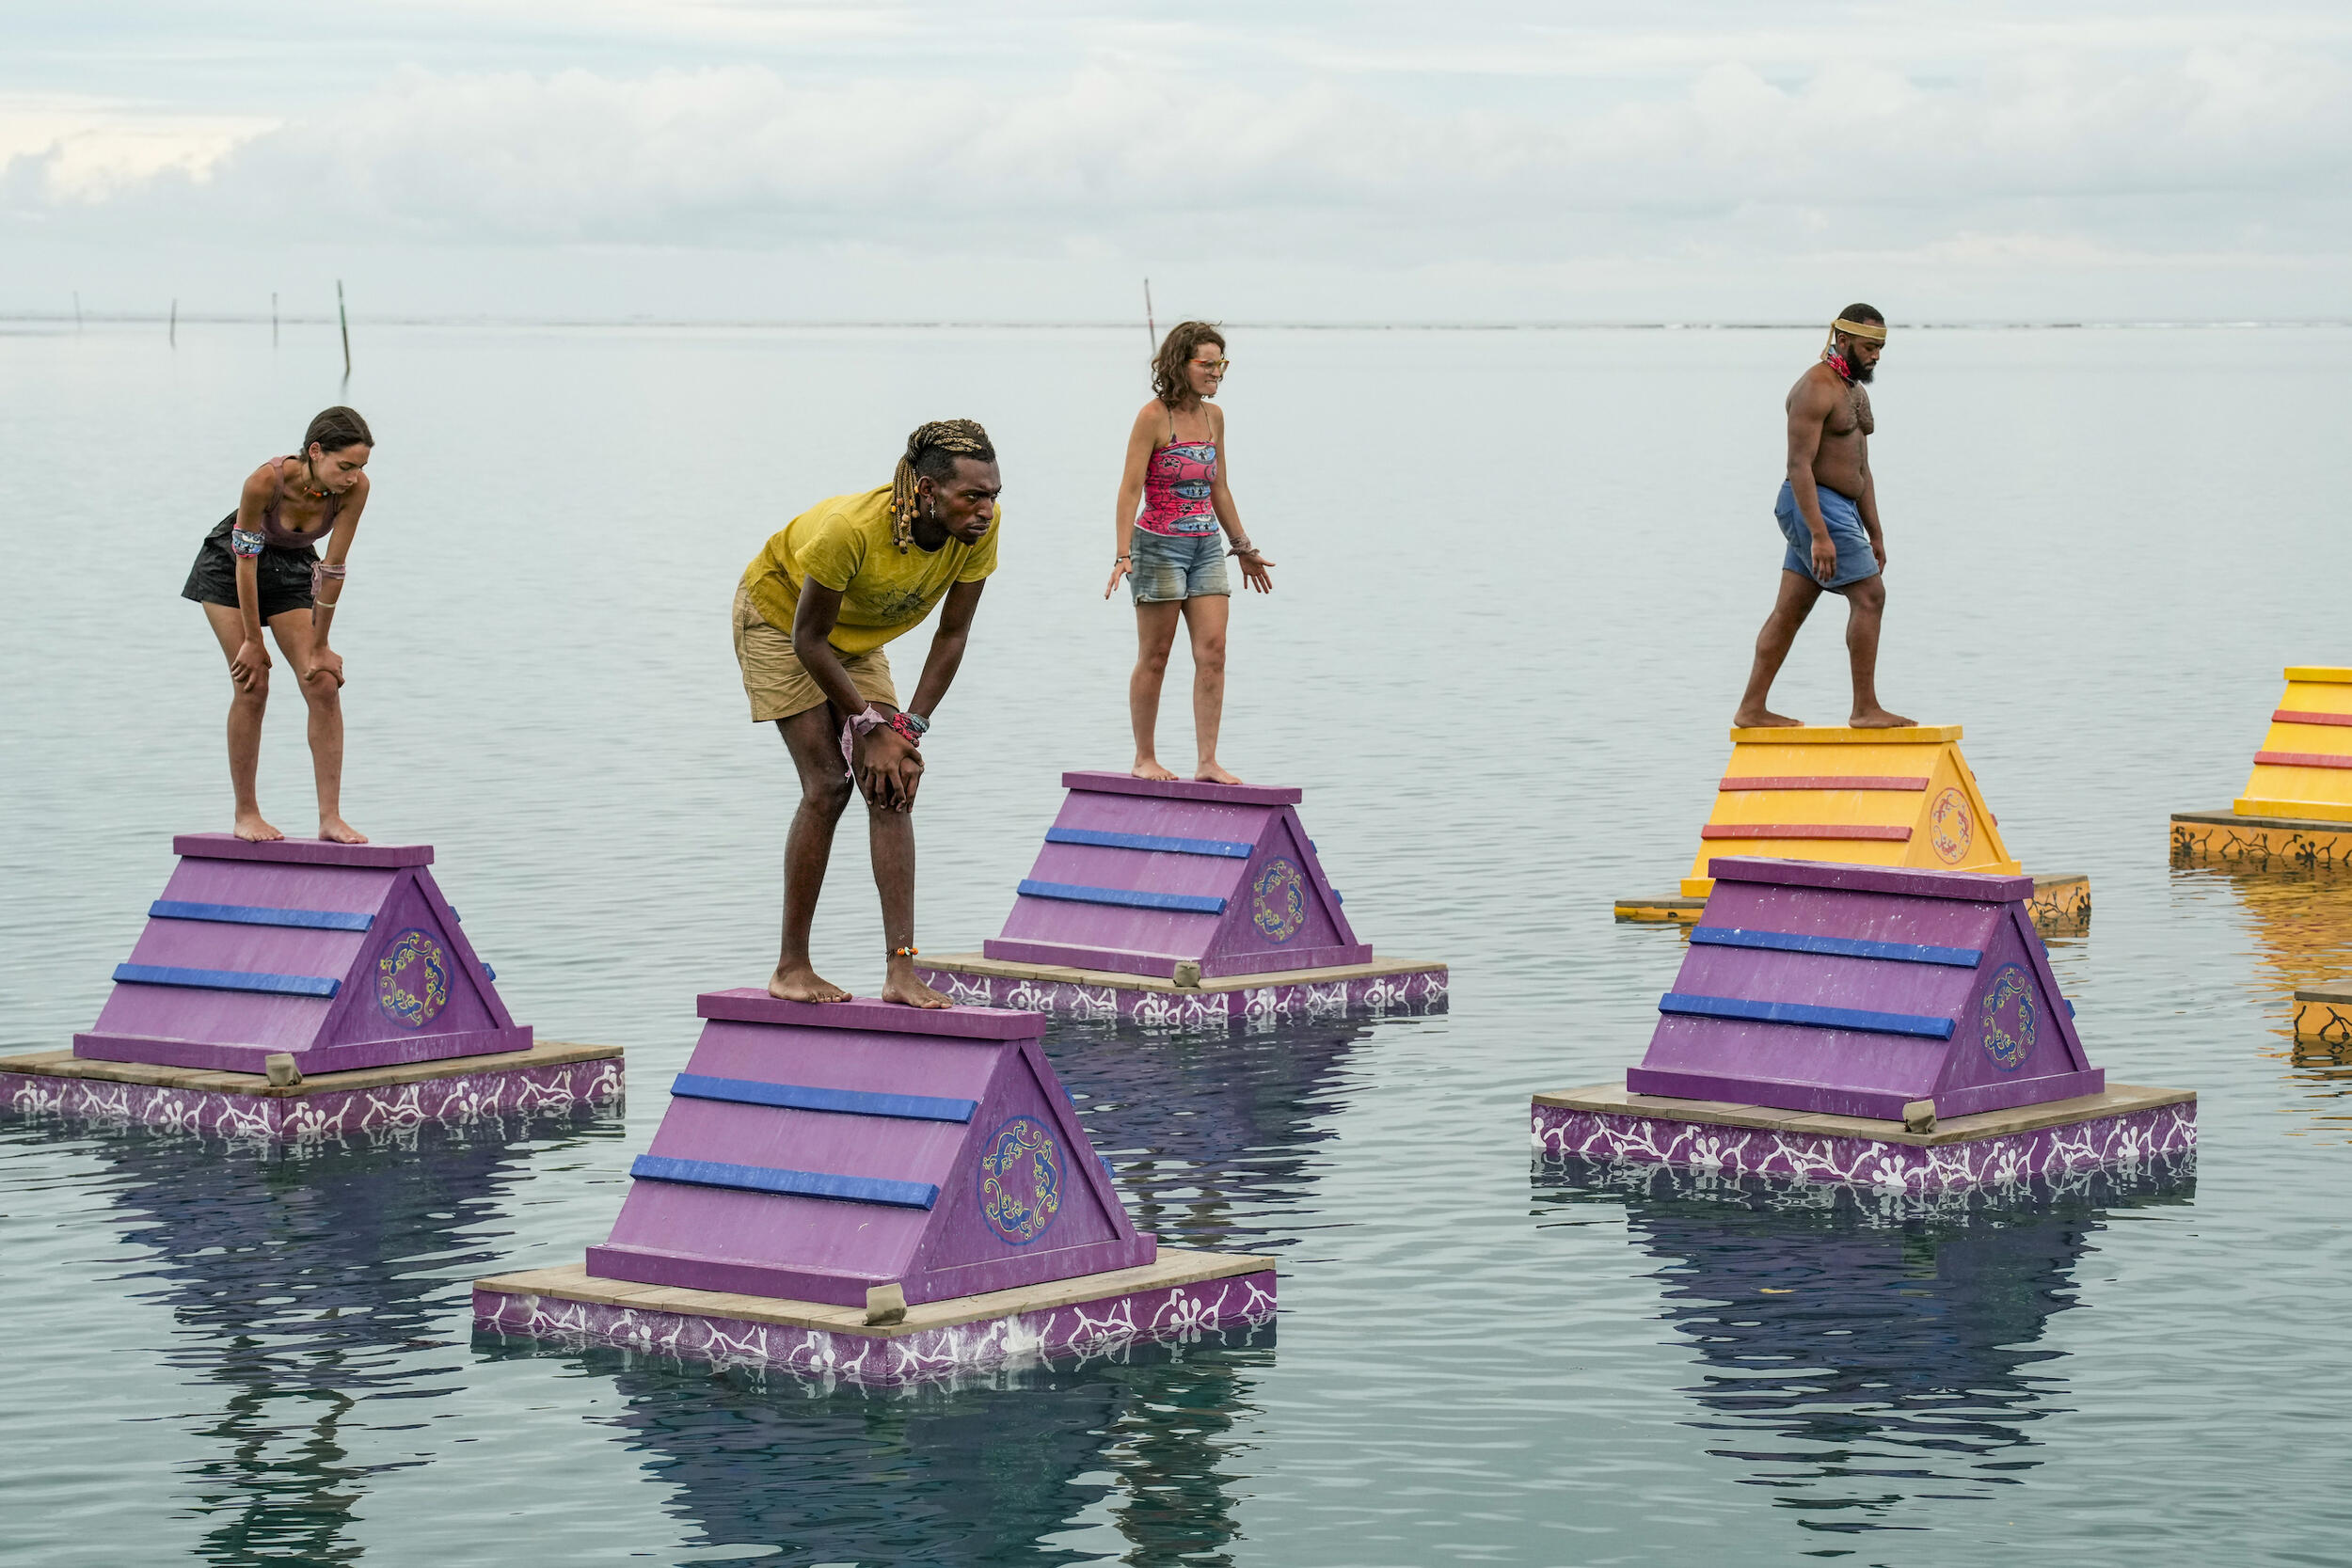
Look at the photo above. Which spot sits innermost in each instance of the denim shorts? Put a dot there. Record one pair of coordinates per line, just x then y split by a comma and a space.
1171, 566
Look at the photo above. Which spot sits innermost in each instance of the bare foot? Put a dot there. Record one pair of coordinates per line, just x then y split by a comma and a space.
903, 986
254, 830
1879, 719
800, 983
1211, 772
1764, 718
336, 830
1149, 768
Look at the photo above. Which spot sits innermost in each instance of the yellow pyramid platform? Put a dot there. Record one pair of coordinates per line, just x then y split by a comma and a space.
1888, 798
2297, 809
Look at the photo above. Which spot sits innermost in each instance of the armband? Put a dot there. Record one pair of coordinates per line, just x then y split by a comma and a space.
320, 574
245, 541
913, 725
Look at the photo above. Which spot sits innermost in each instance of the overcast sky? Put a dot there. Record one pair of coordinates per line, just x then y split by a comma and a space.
1474, 161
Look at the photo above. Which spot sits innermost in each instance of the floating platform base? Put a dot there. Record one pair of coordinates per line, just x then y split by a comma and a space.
2260, 842
1182, 1295
2323, 1016
1384, 986
552, 1075
2061, 905
2126, 1125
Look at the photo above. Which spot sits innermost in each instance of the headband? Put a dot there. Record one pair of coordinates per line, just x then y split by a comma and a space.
1869, 332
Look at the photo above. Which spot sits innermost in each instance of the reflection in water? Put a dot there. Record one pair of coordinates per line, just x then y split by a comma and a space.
305, 1281
1863, 1351
2300, 926
983, 1473
1210, 1134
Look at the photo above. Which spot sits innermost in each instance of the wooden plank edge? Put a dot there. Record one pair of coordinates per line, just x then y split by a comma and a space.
1175, 1266
1006, 969
64, 1064
2115, 1099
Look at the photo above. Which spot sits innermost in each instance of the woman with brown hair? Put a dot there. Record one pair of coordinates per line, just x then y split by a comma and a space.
1175, 517
259, 568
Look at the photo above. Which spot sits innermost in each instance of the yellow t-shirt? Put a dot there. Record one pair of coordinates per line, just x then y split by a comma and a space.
845, 544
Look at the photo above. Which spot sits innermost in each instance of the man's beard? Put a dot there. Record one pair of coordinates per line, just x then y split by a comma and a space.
1862, 373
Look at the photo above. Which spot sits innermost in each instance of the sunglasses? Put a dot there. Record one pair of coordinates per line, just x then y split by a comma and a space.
1217, 365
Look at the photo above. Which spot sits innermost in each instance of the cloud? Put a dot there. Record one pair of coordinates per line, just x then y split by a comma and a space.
2203, 148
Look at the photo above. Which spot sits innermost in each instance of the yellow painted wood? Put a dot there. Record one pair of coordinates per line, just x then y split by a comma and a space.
1825, 735
2283, 790
1931, 751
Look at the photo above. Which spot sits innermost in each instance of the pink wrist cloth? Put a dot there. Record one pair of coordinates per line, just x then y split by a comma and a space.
857, 724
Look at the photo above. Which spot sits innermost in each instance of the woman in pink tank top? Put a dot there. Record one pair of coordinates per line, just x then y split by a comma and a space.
1174, 520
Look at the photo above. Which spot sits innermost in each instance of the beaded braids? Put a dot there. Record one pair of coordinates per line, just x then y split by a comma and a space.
932, 447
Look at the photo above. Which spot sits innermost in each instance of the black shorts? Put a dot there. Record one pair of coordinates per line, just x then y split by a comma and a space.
283, 575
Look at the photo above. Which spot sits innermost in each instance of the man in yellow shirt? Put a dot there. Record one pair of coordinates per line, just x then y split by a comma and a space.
811, 616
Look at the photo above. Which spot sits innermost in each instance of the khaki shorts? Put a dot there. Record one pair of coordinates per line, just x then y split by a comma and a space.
779, 685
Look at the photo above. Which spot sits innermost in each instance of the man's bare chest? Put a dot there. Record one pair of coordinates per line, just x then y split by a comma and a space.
1852, 414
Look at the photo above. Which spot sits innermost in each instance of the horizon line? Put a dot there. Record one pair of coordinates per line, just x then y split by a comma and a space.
2086, 323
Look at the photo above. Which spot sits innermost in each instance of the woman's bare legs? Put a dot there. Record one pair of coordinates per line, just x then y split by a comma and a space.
292, 631
245, 724
1205, 619
1155, 633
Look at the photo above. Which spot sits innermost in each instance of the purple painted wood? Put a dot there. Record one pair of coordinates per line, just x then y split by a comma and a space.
1108, 782
1065, 1220
1871, 878
748, 1005
412, 988
2013, 1042
1280, 913
300, 851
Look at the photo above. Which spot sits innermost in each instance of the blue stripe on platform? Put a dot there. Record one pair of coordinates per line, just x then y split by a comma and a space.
788, 1183
229, 979
1191, 903
1840, 947
258, 914
1225, 847
1916, 1025
800, 1096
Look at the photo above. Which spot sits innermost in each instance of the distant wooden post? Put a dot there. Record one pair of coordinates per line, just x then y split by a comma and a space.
344, 317
273, 319
175, 323
1150, 327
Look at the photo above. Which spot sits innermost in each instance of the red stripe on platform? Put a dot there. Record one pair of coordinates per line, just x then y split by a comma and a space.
2289, 716
1805, 830
2299, 759
1824, 780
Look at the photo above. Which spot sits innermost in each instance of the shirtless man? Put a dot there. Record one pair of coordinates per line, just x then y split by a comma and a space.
1829, 512
811, 616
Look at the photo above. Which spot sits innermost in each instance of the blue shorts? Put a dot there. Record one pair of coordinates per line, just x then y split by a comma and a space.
1855, 557
1168, 566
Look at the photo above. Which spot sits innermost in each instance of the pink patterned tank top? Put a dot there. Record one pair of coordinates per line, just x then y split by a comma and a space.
1176, 486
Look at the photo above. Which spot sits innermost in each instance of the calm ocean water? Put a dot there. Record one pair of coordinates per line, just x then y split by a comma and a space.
1518, 574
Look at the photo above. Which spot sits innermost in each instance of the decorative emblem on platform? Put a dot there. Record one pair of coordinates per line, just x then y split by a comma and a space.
1021, 1179
1277, 900
412, 979
2006, 1018
1949, 828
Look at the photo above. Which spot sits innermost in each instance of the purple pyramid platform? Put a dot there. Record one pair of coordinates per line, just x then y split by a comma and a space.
1854, 990
816, 1152
345, 955
1138, 875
